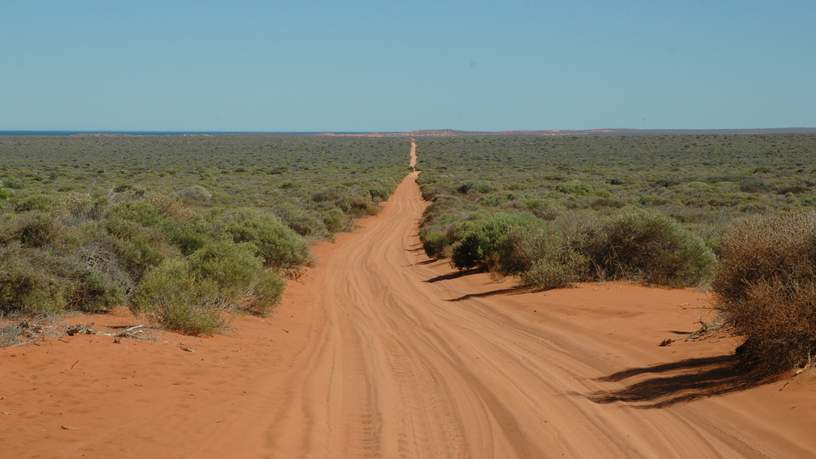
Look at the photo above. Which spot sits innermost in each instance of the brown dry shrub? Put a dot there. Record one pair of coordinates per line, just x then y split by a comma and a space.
766, 285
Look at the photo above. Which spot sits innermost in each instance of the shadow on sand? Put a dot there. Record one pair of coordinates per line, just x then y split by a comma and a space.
500, 291
455, 275
681, 381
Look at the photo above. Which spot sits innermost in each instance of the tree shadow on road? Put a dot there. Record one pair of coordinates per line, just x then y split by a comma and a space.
681, 381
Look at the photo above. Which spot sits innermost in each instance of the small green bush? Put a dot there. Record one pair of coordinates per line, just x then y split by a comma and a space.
139, 248
268, 291
304, 223
96, 292
25, 286
231, 266
574, 187
33, 202
188, 235
753, 185
141, 212
336, 220
766, 284
434, 243
542, 256
560, 268
648, 246
480, 242
37, 229
35, 281
277, 244
171, 295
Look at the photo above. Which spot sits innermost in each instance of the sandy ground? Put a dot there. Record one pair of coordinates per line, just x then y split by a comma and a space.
413, 157
380, 352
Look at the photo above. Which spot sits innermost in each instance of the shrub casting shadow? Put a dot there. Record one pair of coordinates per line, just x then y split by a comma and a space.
455, 275
501, 291
699, 378
428, 261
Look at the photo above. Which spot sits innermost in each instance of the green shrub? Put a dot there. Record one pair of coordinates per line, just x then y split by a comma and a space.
37, 230
336, 220
434, 243
542, 256
33, 280
766, 285
138, 247
304, 223
25, 286
141, 212
171, 295
189, 235
574, 187
559, 268
358, 206
231, 266
753, 185
648, 246
480, 242
268, 291
277, 244
541, 209
470, 251
33, 202
96, 292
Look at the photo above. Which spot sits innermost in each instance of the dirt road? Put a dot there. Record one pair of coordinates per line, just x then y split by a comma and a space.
380, 352
413, 157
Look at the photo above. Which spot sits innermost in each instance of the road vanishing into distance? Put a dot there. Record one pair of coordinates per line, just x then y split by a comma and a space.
378, 351
406, 362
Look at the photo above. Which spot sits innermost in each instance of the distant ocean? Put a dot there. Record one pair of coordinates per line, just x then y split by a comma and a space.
139, 133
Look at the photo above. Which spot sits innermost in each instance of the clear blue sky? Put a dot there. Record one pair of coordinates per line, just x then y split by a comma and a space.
377, 65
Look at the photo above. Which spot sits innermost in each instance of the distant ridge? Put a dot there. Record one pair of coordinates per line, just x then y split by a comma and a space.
421, 133
574, 132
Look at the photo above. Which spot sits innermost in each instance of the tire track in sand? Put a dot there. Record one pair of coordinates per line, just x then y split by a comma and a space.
367, 358
402, 372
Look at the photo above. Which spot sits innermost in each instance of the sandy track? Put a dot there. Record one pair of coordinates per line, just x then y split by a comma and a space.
413, 157
379, 352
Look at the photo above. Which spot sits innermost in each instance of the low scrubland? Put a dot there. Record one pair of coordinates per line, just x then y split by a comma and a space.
730, 212
180, 229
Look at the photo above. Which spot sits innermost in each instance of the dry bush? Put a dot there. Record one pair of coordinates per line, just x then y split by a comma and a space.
766, 284
195, 194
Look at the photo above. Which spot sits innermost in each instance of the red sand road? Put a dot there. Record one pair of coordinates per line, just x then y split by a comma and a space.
379, 352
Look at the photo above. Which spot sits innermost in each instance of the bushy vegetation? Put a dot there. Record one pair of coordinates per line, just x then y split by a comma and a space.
650, 208
702, 181
767, 288
649, 246
178, 228
637, 245
267, 293
674, 210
